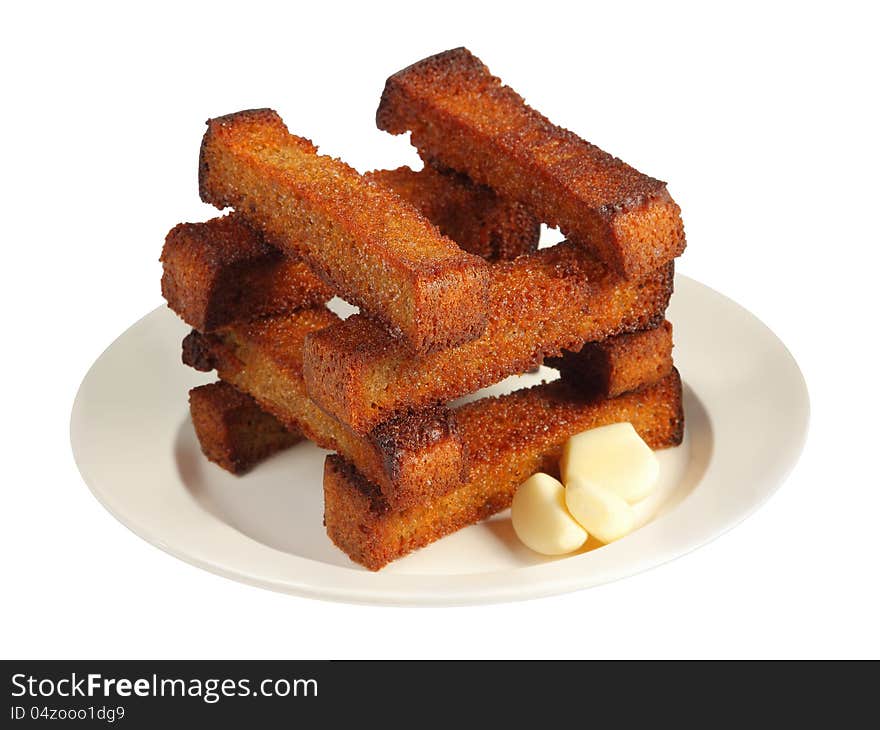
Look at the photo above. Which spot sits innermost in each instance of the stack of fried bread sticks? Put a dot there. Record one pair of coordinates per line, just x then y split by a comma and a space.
453, 293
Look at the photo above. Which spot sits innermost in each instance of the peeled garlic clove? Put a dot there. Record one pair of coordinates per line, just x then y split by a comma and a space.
604, 513
614, 457
541, 520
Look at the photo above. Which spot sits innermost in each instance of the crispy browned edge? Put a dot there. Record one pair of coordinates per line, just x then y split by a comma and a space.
509, 438
232, 430
375, 249
462, 117
222, 271
552, 300
474, 216
619, 364
412, 456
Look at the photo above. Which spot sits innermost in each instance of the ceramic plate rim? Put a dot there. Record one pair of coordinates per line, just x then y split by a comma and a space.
657, 543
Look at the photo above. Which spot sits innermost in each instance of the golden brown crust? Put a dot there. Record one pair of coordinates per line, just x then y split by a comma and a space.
541, 304
472, 215
411, 457
508, 439
373, 248
233, 431
462, 117
222, 271
619, 364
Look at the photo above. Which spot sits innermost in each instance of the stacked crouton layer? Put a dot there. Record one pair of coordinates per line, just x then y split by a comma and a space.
454, 295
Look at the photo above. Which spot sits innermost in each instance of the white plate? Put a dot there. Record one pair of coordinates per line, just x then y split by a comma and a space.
746, 408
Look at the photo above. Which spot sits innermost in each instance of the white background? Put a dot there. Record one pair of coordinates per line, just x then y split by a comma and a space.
762, 117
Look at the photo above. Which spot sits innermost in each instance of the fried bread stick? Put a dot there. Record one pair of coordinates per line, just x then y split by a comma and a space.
376, 250
233, 431
508, 439
555, 299
410, 456
464, 118
222, 271
474, 216
619, 364
616, 365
